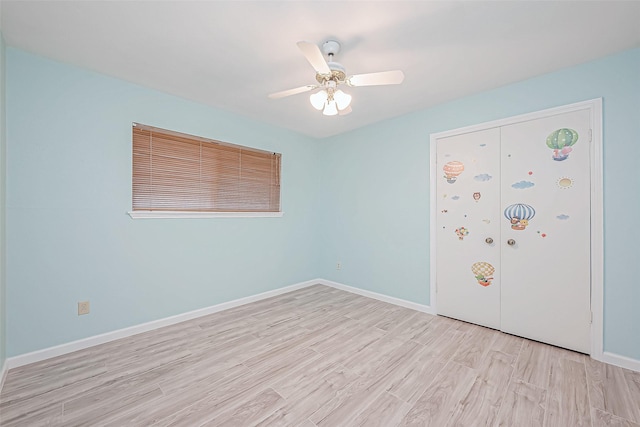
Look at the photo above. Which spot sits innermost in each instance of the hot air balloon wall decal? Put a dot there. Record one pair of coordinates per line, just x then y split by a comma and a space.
452, 170
519, 215
560, 141
483, 272
461, 232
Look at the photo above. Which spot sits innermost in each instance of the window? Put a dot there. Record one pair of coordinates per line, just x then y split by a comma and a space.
179, 173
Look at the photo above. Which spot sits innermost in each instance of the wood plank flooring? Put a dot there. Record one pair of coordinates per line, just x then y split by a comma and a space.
321, 357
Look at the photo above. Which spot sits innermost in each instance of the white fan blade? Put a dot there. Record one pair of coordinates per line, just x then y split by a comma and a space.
375, 79
314, 56
289, 92
345, 111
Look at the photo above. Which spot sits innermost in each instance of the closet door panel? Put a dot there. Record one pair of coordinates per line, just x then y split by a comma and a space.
545, 215
468, 195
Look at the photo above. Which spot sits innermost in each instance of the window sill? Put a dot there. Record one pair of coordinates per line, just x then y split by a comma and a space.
180, 214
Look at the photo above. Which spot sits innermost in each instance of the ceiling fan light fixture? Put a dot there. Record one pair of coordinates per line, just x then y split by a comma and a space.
330, 109
331, 74
318, 99
342, 99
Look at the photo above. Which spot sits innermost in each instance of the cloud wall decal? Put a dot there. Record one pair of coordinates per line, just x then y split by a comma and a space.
523, 184
482, 177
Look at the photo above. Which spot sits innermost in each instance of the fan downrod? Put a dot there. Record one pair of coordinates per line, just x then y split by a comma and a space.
331, 48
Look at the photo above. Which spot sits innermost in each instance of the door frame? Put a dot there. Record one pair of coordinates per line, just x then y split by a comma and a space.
597, 207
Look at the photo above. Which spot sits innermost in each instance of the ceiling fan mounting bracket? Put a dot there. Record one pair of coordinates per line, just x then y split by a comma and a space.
330, 48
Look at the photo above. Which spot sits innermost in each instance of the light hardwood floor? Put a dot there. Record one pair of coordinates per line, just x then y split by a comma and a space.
321, 357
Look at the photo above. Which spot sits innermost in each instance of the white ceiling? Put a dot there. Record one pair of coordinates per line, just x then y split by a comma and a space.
232, 54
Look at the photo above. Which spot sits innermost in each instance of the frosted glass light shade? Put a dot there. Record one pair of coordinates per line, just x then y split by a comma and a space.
318, 99
342, 99
330, 109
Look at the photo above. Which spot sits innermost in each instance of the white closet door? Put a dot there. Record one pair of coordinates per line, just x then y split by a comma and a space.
468, 194
545, 207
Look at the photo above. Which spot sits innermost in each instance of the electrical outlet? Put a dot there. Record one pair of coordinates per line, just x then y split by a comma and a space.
83, 307
338, 265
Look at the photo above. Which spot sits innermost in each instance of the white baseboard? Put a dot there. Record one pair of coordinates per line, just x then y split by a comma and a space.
621, 361
381, 297
3, 373
59, 350
47, 353
606, 357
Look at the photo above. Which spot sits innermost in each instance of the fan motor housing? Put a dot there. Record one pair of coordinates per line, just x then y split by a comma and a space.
337, 76
338, 73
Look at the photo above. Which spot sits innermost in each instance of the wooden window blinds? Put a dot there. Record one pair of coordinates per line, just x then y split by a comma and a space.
179, 172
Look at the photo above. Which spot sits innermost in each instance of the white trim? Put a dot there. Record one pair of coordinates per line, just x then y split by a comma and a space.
3, 373
582, 105
597, 207
621, 361
380, 297
47, 353
185, 214
597, 233
433, 231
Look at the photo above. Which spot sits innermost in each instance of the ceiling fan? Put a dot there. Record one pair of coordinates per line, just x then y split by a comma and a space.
330, 75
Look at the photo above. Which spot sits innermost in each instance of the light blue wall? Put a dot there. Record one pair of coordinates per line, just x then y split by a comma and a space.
69, 188
375, 189
3, 157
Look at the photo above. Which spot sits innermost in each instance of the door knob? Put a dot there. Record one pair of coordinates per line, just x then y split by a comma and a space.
489, 240
511, 242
